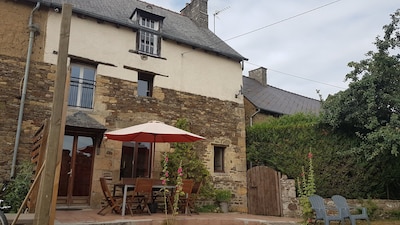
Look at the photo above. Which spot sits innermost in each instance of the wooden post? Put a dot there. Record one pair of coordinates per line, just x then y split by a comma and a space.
48, 189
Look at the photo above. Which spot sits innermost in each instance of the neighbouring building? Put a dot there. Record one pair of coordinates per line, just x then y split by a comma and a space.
262, 100
130, 62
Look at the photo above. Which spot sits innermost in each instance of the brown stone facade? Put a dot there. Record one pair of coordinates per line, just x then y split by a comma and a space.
116, 106
221, 122
14, 30
37, 107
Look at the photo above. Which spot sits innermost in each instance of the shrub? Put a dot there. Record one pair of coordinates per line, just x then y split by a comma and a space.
19, 187
223, 195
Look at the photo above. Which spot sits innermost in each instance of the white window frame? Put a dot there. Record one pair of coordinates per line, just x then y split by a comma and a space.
80, 82
148, 42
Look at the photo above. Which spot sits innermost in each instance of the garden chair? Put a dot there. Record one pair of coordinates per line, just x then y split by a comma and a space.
112, 203
318, 206
187, 186
194, 195
345, 210
143, 192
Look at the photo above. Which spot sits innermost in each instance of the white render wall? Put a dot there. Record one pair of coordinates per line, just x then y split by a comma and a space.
181, 67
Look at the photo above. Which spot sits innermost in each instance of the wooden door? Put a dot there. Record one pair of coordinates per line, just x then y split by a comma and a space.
76, 171
263, 191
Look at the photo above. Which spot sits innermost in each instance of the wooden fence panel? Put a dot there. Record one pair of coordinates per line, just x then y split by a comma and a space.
37, 158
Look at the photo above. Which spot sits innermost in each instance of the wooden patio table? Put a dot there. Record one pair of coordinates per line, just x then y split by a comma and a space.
130, 183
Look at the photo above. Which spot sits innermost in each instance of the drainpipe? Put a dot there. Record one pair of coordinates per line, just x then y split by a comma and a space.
251, 117
32, 30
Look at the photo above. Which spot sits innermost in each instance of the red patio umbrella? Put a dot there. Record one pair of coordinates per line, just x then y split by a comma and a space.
153, 131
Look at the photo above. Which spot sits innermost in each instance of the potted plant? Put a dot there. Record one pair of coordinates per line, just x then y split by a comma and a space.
223, 197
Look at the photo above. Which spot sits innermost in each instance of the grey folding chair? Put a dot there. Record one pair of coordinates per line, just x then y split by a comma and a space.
318, 205
345, 210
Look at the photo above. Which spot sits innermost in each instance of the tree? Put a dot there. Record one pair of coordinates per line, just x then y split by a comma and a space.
370, 106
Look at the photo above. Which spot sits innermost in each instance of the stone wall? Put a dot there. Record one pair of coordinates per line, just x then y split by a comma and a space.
291, 207
37, 107
221, 122
290, 203
15, 17
117, 106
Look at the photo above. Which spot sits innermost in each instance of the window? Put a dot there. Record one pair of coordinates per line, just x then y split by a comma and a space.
136, 159
148, 39
148, 42
145, 84
82, 85
219, 158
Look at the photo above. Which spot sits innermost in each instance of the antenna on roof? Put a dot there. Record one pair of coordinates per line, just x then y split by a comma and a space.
218, 12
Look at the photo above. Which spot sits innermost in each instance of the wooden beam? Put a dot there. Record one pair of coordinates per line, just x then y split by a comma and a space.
47, 196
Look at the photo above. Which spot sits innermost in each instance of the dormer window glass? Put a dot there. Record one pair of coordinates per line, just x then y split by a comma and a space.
148, 42
148, 35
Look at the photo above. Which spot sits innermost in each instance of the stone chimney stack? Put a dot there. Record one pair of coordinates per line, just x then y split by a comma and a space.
259, 75
196, 10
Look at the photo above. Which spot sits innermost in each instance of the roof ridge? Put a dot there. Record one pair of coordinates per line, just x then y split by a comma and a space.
282, 89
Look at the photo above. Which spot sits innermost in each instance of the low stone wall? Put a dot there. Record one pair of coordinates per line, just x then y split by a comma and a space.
291, 207
290, 203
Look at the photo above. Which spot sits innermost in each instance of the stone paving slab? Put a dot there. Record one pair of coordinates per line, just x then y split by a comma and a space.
90, 217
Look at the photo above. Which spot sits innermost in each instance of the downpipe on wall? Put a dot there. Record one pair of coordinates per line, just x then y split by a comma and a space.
32, 30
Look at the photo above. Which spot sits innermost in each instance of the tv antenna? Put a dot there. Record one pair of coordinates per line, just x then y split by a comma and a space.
218, 12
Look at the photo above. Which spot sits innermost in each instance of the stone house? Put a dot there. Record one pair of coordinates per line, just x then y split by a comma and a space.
130, 62
262, 100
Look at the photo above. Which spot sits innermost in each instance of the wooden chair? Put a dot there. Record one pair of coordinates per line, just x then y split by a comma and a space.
142, 193
187, 187
113, 204
194, 195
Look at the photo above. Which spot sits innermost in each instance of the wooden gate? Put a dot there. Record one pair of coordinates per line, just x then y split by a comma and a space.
263, 191
38, 152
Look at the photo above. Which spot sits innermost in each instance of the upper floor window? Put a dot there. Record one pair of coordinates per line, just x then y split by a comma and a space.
148, 39
82, 86
148, 42
145, 84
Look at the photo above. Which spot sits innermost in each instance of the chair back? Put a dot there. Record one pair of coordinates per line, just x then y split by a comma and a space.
143, 186
187, 186
196, 187
341, 205
105, 189
318, 205
111, 202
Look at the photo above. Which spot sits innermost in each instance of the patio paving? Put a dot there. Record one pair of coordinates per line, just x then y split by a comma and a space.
90, 216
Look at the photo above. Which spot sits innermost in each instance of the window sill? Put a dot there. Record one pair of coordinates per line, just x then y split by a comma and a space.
144, 54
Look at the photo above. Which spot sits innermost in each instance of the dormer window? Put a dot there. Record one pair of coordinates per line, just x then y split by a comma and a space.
148, 39
148, 42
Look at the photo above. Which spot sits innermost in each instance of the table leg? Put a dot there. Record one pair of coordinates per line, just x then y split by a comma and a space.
124, 200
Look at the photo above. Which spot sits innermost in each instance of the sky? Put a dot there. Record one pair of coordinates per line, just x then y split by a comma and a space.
304, 44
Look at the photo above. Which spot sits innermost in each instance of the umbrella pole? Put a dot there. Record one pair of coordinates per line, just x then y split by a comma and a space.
153, 152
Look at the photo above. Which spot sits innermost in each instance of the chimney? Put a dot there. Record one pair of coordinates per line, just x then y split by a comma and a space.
196, 10
259, 75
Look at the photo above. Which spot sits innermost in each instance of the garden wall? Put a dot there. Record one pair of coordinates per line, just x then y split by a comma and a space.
291, 208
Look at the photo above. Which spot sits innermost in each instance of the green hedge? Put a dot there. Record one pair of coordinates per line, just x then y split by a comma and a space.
283, 143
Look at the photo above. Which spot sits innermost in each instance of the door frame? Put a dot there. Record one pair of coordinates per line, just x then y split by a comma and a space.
71, 200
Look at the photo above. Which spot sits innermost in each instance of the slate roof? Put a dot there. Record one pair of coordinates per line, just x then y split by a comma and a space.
278, 101
82, 120
175, 26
